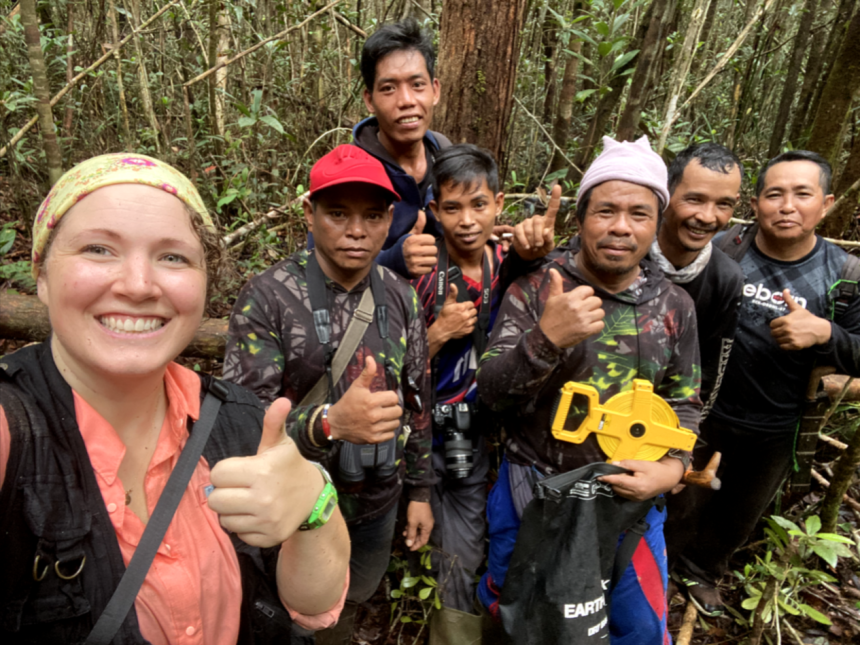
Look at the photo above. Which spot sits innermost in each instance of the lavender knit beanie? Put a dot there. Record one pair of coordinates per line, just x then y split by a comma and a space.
628, 161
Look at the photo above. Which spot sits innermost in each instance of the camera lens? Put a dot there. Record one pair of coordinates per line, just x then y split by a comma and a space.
458, 454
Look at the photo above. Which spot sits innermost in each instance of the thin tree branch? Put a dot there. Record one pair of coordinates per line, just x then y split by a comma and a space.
547, 135
724, 60
346, 23
251, 50
20, 134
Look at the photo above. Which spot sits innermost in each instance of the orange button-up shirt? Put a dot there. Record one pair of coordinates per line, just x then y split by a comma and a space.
192, 593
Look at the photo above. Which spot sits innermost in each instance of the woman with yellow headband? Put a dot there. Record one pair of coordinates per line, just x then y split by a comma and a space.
94, 425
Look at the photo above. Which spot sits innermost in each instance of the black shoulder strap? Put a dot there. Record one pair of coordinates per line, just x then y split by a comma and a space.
318, 294
737, 240
446, 274
123, 597
846, 288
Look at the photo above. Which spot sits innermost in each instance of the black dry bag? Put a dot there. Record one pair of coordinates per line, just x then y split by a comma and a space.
567, 558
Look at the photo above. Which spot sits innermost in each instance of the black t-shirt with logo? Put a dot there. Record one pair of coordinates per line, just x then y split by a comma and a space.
764, 386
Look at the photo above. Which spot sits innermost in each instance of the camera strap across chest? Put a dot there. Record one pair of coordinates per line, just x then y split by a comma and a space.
337, 360
446, 274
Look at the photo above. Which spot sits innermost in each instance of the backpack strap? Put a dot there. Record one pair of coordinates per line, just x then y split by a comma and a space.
846, 288
737, 240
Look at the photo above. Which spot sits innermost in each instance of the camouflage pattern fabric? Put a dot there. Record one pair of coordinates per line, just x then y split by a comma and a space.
649, 333
272, 349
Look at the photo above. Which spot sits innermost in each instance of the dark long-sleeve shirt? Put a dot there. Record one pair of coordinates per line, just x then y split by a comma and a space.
649, 333
764, 386
273, 350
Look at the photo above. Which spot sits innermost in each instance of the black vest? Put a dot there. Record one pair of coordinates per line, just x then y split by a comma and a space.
52, 516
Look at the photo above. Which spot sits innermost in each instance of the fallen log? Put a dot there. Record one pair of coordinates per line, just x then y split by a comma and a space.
834, 383
26, 318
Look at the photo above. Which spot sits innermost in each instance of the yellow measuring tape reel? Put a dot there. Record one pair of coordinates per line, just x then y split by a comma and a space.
636, 424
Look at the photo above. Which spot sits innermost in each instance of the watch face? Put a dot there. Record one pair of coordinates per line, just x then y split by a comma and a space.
330, 505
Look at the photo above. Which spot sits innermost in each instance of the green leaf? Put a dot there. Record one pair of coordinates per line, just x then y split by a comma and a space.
247, 121
813, 525
827, 552
585, 37
7, 239
814, 614
788, 525
584, 94
396, 593
791, 610
618, 3
830, 537
428, 581
425, 593
623, 59
405, 619
273, 123
604, 48
409, 582
258, 98
751, 603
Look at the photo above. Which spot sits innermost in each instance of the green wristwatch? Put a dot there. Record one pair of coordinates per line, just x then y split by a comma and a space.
326, 503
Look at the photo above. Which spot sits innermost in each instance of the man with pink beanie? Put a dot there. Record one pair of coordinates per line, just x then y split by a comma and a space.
601, 315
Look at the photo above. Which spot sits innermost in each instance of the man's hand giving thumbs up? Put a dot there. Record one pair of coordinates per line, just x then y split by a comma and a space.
419, 250
799, 328
456, 319
569, 318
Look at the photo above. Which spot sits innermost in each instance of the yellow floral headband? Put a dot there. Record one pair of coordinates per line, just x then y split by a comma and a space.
108, 170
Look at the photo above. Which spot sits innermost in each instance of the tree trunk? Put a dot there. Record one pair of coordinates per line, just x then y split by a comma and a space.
851, 172
682, 67
145, 96
550, 44
804, 26
564, 115
477, 69
843, 84
811, 75
661, 17
41, 89
26, 318
70, 69
739, 79
844, 14
120, 84
219, 44
704, 38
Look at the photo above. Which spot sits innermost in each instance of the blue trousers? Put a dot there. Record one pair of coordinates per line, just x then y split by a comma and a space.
639, 610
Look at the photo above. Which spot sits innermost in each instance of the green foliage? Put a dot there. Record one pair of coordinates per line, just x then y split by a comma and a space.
417, 596
19, 272
788, 564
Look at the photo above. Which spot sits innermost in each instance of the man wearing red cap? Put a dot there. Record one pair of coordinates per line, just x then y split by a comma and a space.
286, 332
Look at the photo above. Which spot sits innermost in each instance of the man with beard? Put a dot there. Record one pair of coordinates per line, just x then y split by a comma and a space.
602, 316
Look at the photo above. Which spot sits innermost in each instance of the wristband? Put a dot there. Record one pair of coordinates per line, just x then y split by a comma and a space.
311, 422
326, 427
325, 504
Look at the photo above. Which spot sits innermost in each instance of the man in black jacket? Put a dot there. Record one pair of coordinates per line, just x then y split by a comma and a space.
401, 90
704, 183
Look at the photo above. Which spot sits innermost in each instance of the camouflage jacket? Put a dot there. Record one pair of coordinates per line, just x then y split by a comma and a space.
649, 333
272, 349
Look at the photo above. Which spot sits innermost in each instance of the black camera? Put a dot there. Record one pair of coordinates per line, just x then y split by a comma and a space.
455, 421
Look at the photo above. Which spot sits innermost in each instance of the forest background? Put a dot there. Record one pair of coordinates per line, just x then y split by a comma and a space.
245, 95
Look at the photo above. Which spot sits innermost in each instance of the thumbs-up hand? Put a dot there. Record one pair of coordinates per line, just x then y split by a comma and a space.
799, 328
535, 237
570, 317
363, 416
265, 498
419, 250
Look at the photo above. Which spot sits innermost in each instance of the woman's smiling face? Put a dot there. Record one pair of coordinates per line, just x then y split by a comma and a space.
124, 282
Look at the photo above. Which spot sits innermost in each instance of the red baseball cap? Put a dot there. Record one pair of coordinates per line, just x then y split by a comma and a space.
346, 164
